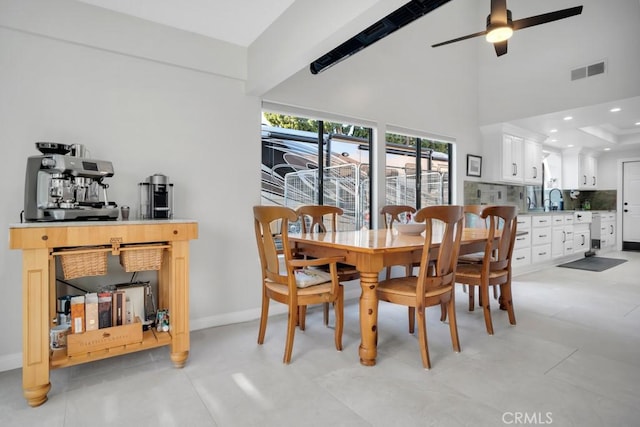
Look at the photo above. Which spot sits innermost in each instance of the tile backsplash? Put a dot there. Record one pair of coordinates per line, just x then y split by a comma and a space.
481, 193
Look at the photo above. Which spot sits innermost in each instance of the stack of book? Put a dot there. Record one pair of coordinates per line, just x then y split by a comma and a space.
100, 310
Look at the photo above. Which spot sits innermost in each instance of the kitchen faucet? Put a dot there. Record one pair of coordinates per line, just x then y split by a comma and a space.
560, 205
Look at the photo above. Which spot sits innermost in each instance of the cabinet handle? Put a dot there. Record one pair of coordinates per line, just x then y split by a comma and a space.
542, 253
535, 171
611, 228
520, 238
594, 181
519, 258
564, 237
514, 169
584, 181
542, 235
583, 239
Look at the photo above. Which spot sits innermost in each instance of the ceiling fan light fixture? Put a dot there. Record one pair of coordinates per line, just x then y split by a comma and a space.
499, 34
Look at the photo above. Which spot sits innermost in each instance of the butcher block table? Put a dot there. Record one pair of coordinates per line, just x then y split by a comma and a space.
40, 242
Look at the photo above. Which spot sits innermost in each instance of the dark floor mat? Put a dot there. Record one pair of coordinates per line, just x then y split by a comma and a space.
594, 263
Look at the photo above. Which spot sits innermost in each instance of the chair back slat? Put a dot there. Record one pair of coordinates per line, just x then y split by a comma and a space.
312, 217
265, 217
504, 219
391, 213
450, 219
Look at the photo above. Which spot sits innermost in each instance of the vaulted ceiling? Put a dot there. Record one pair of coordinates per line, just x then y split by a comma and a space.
241, 22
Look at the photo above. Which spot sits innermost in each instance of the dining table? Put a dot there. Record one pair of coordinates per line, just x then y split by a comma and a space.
370, 252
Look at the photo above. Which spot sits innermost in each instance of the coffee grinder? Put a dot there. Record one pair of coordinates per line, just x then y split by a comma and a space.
156, 197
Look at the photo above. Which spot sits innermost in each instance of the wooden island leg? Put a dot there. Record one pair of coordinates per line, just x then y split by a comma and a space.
368, 318
35, 325
174, 284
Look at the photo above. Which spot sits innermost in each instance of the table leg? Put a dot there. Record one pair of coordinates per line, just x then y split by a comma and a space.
175, 290
35, 326
368, 318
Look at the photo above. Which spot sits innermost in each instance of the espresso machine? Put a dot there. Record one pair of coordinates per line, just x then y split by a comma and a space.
61, 187
156, 197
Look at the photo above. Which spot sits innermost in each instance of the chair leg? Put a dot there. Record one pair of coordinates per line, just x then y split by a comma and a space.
453, 324
325, 310
443, 311
472, 302
388, 275
505, 296
495, 291
264, 315
412, 319
484, 289
291, 330
422, 339
302, 315
338, 307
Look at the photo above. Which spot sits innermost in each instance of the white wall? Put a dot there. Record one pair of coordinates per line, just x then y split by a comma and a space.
147, 116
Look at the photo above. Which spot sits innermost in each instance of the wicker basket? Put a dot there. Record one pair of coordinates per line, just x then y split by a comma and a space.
141, 259
84, 263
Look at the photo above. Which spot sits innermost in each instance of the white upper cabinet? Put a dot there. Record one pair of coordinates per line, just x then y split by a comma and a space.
511, 155
579, 170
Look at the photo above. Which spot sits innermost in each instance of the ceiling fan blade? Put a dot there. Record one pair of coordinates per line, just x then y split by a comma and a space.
546, 17
500, 47
499, 12
470, 36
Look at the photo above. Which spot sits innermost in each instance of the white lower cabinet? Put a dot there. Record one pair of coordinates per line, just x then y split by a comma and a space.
540, 238
603, 231
522, 248
562, 240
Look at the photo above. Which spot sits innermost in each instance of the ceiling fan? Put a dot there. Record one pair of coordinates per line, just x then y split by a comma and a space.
500, 26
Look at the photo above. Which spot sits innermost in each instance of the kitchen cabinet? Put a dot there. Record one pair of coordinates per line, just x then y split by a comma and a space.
540, 238
512, 155
579, 170
532, 162
522, 246
581, 231
562, 240
603, 231
40, 242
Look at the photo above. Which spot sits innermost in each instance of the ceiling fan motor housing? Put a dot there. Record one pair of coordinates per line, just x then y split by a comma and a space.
491, 25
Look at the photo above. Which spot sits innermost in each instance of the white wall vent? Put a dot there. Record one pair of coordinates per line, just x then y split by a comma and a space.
588, 70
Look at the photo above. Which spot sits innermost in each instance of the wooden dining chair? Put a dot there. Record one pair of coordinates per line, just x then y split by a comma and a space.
495, 268
432, 286
473, 219
391, 214
299, 283
314, 218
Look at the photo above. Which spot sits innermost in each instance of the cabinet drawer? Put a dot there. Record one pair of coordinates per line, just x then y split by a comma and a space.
540, 253
557, 220
541, 235
522, 241
541, 221
524, 222
521, 257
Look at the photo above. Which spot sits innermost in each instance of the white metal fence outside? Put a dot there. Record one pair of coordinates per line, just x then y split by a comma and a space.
347, 186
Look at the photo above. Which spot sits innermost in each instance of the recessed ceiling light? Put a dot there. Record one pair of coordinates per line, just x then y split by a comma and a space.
567, 118
607, 149
615, 109
637, 123
570, 145
554, 140
553, 131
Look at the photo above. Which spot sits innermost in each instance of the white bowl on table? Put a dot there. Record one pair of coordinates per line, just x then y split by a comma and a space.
412, 228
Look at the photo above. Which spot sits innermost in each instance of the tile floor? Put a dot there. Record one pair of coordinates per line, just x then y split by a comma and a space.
572, 360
